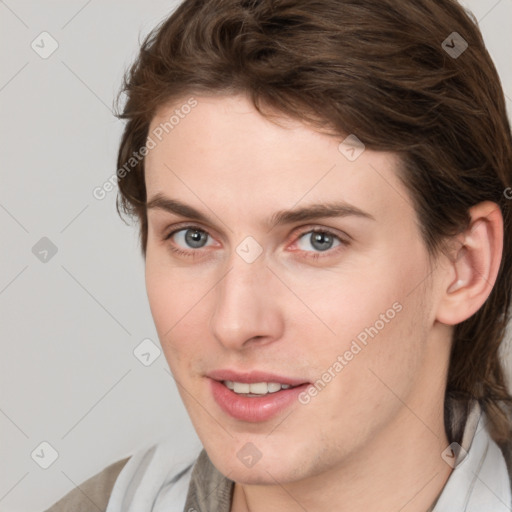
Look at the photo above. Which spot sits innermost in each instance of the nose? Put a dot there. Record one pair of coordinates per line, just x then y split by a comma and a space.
247, 309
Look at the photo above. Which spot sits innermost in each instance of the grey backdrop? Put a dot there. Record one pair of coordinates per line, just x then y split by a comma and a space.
74, 396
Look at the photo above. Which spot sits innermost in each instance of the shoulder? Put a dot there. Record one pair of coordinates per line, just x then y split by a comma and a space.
156, 474
93, 494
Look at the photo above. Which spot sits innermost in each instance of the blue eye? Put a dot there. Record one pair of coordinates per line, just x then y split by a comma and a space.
190, 237
187, 241
320, 240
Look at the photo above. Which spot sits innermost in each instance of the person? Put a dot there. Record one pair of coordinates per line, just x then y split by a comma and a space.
323, 195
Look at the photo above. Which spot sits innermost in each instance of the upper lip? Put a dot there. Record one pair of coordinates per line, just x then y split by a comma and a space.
253, 376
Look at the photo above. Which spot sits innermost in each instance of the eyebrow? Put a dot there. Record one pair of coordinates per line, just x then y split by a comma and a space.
310, 212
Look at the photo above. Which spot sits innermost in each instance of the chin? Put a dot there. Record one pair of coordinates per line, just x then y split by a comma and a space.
265, 471
260, 475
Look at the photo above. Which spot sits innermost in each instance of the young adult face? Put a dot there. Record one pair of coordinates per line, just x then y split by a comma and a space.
248, 297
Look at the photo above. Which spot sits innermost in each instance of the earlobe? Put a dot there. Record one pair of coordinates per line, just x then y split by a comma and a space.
475, 266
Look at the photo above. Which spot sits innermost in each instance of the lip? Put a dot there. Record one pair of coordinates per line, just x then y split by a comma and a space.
254, 409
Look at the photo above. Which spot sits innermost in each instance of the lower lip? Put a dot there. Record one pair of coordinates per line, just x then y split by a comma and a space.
254, 409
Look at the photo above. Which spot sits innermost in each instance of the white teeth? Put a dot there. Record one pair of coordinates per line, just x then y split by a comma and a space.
259, 388
255, 388
241, 387
273, 387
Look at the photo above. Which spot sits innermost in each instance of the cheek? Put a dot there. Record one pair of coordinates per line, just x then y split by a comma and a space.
373, 309
164, 292
382, 335
177, 299
354, 298
162, 300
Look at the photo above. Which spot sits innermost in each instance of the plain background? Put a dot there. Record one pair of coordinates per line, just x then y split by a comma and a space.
69, 326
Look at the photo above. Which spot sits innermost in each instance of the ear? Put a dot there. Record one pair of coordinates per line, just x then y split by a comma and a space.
472, 271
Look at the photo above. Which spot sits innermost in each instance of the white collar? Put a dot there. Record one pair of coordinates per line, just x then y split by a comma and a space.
480, 481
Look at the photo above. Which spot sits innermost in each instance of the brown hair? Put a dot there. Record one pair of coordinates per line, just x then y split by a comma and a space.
378, 69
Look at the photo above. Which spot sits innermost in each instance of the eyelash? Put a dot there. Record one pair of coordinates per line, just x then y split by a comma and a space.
315, 256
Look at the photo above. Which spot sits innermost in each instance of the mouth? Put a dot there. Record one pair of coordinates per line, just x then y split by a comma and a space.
256, 396
255, 389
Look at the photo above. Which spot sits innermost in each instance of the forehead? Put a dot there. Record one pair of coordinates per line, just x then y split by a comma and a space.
223, 150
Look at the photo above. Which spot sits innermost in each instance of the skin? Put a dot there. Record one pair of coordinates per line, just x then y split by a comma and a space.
372, 438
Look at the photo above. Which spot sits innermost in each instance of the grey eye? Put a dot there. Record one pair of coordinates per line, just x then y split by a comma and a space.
191, 238
319, 240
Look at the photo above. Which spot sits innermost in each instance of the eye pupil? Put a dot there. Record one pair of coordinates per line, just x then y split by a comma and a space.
195, 238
